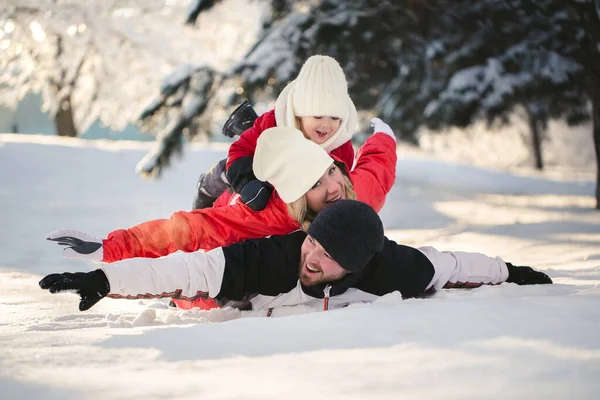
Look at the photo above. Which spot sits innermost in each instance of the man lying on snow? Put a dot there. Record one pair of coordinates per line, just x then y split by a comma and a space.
343, 257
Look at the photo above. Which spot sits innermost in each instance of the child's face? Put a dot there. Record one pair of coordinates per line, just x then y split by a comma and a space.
330, 188
319, 129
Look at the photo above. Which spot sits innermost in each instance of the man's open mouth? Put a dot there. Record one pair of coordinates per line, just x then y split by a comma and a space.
312, 270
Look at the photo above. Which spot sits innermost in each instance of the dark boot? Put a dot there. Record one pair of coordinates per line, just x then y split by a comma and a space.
210, 186
526, 276
241, 118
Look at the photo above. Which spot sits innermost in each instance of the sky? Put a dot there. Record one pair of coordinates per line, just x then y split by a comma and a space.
507, 341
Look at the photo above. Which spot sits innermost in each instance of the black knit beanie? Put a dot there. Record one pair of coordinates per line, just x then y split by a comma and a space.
350, 231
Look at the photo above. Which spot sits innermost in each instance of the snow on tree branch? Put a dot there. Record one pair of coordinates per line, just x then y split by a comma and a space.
113, 54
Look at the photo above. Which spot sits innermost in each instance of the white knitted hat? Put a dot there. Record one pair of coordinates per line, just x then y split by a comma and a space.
289, 162
319, 90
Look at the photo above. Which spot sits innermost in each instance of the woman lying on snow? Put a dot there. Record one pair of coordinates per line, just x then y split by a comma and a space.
343, 257
318, 181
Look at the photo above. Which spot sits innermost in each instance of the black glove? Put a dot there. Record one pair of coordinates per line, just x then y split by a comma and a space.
255, 194
90, 286
526, 276
240, 172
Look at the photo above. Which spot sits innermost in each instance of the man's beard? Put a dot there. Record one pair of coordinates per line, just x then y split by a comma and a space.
303, 276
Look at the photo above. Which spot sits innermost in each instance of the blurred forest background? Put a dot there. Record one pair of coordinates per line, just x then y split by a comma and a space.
177, 68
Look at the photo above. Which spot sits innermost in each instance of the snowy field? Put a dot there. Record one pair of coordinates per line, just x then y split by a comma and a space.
503, 342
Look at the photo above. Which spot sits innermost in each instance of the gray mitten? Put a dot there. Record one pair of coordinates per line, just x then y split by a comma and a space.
78, 244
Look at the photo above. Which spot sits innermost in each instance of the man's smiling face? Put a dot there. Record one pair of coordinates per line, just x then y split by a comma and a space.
316, 265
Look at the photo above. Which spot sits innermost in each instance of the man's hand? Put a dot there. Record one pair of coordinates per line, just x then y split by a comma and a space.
523, 275
78, 244
90, 286
255, 194
380, 126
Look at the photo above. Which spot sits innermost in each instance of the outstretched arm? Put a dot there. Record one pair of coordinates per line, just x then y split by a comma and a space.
199, 229
186, 231
263, 266
375, 171
179, 275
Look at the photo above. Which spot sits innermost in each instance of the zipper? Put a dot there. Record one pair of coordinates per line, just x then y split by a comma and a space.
326, 297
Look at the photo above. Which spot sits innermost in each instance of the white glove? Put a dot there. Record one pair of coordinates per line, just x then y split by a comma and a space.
381, 127
78, 244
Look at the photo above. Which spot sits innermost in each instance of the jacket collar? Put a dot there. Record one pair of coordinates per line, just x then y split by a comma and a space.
337, 287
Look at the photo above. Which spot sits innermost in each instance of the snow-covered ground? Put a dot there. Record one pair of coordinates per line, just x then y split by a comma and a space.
503, 342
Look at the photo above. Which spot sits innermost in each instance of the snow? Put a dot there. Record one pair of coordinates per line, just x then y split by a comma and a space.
470, 84
566, 150
174, 79
433, 48
492, 342
492, 83
558, 69
275, 54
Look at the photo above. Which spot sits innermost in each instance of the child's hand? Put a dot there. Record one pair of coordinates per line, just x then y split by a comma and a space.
381, 127
255, 194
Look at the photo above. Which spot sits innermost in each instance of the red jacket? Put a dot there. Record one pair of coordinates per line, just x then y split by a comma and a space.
246, 143
208, 228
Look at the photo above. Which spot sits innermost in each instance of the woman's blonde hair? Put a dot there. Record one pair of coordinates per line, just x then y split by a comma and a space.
299, 210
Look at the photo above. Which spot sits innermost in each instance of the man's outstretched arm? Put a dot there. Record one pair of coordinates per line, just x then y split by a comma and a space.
264, 266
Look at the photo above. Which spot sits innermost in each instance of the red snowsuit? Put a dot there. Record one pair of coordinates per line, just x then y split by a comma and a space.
372, 177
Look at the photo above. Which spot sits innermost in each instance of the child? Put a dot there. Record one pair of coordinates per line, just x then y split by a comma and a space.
316, 102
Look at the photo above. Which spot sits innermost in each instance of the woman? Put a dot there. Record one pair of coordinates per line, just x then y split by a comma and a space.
285, 159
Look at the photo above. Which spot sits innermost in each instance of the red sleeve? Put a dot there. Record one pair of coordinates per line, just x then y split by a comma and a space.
345, 153
205, 229
375, 170
246, 143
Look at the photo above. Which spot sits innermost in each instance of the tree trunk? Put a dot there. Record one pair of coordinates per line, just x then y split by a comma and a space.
596, 118
63, 120
536, 126
593, 68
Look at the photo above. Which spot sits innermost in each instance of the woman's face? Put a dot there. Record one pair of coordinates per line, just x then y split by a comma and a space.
328, 189
319, 129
